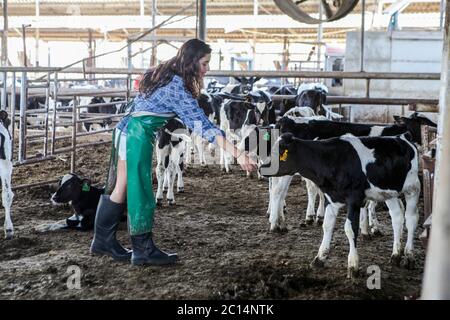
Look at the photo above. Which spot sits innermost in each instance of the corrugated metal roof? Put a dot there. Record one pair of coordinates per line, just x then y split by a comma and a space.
111, 8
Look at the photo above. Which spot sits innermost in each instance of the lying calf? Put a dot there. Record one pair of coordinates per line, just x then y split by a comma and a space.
82, 196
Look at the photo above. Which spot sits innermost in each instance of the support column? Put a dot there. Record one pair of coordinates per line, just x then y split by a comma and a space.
202, 20
37, 36
436, 284
153, 57
4, 58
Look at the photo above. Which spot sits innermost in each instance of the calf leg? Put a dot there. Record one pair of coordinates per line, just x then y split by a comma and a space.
329, 221
170, 172
373, 221
364, 222
320, 208
180, 182
160, 176
279, 192
311, 189
7, 198
412, 218
351, 230
396, 213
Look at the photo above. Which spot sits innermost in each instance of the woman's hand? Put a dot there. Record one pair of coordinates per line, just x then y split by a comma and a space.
246, 163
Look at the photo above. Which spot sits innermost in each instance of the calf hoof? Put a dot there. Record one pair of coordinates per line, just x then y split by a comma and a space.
171, 202
376, 233
180, 190
395, 260
309, 221
165, 189
317, 263
279, 229
408, 262
352, 273
9, 234
366, 236
319, 221
159, 202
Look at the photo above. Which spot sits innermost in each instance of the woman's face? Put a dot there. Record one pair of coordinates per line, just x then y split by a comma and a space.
204, 65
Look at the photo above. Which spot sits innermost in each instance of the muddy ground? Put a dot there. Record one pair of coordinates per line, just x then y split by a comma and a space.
218, 227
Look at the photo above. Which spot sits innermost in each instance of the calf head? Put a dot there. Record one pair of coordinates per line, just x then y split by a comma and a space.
282, 159
4, 119
70, 188
246, 84
299, 129
413, 124
205, 102
313, 98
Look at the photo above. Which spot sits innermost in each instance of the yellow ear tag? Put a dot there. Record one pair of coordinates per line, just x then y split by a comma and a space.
283, 157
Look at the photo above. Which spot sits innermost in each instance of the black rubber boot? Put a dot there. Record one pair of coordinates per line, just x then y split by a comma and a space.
146, 253
107, 219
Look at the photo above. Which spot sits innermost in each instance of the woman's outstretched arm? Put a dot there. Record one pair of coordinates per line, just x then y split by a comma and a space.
246, 163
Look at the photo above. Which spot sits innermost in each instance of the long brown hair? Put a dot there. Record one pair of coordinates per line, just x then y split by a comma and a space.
185, 64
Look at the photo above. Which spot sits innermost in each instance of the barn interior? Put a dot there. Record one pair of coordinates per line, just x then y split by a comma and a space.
69, 70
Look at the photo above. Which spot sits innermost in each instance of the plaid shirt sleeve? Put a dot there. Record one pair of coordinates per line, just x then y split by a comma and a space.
187, 108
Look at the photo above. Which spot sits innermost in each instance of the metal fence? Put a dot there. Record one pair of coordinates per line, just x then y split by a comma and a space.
45, 82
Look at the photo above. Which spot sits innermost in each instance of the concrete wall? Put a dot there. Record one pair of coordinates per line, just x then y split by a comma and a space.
403, 51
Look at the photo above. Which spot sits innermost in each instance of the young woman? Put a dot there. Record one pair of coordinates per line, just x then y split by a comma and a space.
167, 91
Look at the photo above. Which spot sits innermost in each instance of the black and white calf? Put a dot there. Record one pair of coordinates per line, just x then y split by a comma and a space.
244, 86
413, 124
235, 116
6, 172
311, 129
351, 170
314, 95
82, 196
265, 113
171, 147
210, 104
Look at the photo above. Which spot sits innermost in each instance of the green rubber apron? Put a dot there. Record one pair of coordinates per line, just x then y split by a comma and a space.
141, 133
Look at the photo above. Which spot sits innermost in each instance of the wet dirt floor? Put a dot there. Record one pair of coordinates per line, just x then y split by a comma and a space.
220, 231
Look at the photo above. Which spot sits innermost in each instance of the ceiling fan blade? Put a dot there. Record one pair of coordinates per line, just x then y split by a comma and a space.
327, 8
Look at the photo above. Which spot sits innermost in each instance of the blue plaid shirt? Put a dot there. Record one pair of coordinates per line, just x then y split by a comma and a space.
175, 98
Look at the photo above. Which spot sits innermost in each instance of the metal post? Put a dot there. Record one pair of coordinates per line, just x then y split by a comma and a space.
363, 11
37, 35
202, 20
441, 16
13, 112
55, 98
130, 64
90, 61
4, 57
255, 14
436, 284
142, 12
24, 44
4, 92
367, 87
23, 120
74, 134
47, 101
153, 56
319, 37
